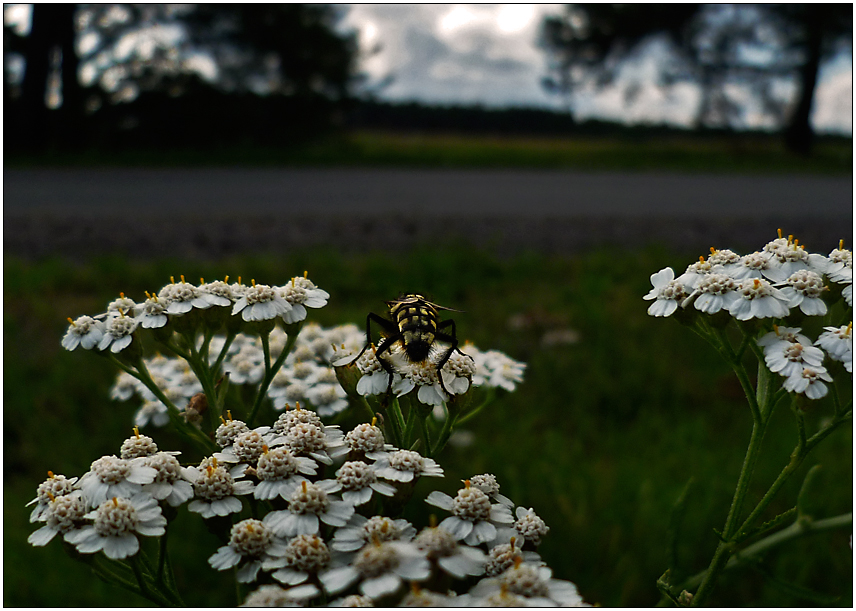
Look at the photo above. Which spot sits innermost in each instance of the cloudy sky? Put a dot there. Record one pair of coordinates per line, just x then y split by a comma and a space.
481, 53
488, 54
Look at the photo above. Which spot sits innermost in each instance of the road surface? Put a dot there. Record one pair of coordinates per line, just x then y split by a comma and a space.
222, 211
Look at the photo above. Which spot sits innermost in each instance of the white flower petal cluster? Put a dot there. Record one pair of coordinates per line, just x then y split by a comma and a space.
253, 545
534, 584
54, 486
85, 332
793, 356
308, 507
838, 343
110, 476
406, 465
62, 515
380, 569
114, 329
115, 526
301, 293
357, 481
668, 293
495, 369
361, 531
769, 283
217, 489
474, 518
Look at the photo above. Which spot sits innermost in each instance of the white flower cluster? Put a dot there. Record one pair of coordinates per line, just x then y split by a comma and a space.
254, 303
306, 376
307, 533
793, 356
115, 502
782, 280
764, 284
462, 369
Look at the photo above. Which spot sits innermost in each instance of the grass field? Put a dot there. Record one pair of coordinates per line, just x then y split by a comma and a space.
600, 438
740, 153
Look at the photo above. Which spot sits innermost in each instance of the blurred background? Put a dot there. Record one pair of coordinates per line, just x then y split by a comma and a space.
529, 164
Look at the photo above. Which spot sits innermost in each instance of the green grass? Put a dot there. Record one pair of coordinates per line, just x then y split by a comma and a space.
600, 438
741, 153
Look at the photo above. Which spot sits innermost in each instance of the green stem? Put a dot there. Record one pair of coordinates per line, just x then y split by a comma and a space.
742, 376
191, 433
423, 431
270, 372
396, 421
412, 417
804, 446
369, 411
798, 529
724, 549
145, 591
162, 553
491, 393
445, 433
223, 352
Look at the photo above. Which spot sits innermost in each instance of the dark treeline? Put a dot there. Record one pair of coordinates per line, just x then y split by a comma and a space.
515, 121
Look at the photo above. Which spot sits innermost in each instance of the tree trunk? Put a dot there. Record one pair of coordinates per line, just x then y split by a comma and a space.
799, 134
51, 31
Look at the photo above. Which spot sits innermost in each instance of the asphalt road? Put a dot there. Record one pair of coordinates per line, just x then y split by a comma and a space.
216, 211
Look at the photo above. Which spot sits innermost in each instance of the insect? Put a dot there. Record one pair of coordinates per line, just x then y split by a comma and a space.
415, 326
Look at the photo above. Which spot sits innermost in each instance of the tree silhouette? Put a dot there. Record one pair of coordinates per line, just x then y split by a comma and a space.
759, 49
177, 75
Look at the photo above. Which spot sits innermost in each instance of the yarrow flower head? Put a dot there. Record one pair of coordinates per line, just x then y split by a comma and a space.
118, 332
495, 369
442, 549
361, 531
789, 357
182, 297
85, 332
357, 481
756, 298
301, 293
715, 292
533, 583
111, 476
529, 526
809, 381
304, 556
367, 440
474, 518
116, 524
757, 265
260, 302
405, 465
695, 272
61, 515
804, 289
276, 596
668, 293
838, 343
380, 568
252, 542
54, 486
280, 473
216, 489
487, 483
308, 506
173, 483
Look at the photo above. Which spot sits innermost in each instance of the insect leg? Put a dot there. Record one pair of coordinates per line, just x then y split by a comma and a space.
453, 341
383, 323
